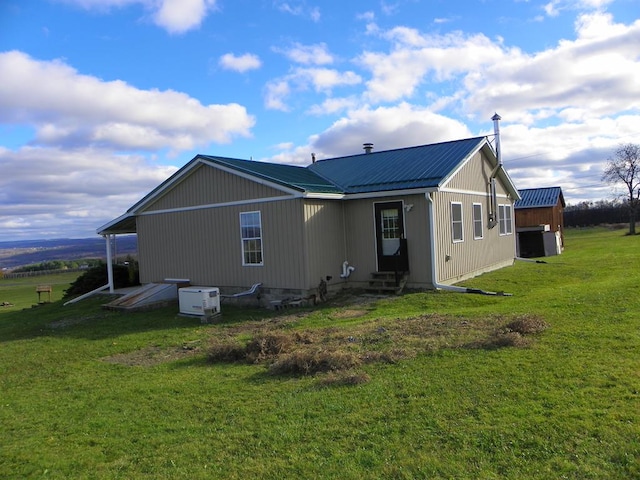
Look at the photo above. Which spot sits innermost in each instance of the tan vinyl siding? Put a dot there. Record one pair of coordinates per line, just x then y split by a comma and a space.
325, 240
361, 240
456, 261
473, 176
208, 185
205, 246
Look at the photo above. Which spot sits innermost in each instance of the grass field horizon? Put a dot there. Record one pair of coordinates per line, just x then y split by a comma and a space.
89, 393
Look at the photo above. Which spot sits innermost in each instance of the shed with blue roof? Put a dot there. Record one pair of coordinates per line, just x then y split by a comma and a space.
422, 217
540, 222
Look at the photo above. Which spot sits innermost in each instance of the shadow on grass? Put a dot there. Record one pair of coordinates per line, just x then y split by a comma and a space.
88, 320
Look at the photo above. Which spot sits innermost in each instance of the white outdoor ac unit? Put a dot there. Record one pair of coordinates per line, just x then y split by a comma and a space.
199, 300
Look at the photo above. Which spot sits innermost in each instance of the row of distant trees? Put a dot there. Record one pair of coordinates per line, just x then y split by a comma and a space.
58, 265
585, 214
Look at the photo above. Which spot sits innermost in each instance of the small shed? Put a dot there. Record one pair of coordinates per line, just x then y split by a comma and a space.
540, 222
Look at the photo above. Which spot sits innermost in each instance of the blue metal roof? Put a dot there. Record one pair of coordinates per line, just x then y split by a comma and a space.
405, 168
426, 166
539, 197
298, 178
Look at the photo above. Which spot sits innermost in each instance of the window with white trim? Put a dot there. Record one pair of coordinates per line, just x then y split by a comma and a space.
505, 219
456, 222
477, 221
251, 233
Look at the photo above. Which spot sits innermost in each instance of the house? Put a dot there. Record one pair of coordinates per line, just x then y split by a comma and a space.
540, 222
425, 217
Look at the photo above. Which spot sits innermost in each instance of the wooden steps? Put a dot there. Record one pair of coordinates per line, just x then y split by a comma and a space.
387, 283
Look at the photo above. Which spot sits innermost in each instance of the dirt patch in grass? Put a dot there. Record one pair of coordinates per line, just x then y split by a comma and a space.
70, 322
155, 355
336, 350
350, 313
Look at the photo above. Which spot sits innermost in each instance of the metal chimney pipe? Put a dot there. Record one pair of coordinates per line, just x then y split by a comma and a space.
496, 130
367, 147
493, 205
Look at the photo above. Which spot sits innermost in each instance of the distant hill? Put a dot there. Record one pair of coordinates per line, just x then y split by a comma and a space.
28, 252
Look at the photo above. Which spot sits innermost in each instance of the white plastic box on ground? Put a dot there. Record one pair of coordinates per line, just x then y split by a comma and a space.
199, 300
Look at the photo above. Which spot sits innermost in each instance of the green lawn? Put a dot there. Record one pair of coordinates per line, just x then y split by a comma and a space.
21, 292
87, 393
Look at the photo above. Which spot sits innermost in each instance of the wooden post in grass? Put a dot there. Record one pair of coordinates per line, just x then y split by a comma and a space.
40, 289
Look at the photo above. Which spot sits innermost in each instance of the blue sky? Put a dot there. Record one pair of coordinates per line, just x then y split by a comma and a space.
101, 100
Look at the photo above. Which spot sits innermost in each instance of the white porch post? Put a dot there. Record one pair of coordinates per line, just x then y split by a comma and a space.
109, 263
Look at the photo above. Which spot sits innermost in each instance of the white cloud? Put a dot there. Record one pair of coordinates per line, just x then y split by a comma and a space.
301, 79
599, 69
74, 109
597, 72
398, 73
389, 8
60, 186
334, 105
179, 16
325, 79
570, 154
241, 63
317, 54
299, 9
175, 16
368, 16
275, 94
551, 8
386, 127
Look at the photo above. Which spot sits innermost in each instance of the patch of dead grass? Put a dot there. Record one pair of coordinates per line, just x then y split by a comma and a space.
527, 325
332, 350
337, 352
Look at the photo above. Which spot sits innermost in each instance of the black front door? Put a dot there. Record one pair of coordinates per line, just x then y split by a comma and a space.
390, 242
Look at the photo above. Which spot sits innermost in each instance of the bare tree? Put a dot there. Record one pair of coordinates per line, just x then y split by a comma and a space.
624, 167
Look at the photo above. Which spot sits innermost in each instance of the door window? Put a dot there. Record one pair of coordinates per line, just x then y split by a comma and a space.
390, 221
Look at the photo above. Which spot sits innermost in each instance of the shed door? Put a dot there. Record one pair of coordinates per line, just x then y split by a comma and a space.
390, 242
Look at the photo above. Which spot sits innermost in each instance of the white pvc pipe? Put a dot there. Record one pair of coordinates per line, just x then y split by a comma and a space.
85, 295
346, 269
109, 264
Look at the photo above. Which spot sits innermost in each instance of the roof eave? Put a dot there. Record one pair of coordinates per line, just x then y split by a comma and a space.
119, 226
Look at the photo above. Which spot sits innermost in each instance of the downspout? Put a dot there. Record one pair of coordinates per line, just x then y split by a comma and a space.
434, 268
432, 247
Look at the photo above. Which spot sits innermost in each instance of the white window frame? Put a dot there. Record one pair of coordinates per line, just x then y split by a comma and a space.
505, 219
477, 222
251, 237
455, 222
